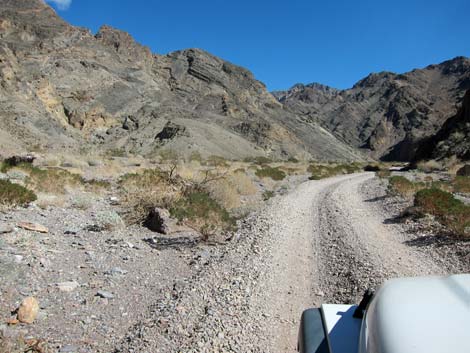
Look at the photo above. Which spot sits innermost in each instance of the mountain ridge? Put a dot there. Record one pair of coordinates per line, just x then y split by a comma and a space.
386, 114
65, 87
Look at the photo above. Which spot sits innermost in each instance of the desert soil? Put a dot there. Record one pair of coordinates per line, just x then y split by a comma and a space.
324, 241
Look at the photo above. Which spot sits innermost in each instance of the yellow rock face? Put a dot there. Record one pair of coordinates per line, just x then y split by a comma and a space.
28, 310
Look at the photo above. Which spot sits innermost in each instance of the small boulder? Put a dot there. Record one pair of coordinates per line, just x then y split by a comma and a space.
35, 227
157, 220
28, 310
464, 171
160, 221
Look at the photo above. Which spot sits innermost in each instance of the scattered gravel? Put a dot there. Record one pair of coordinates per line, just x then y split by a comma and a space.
132, 291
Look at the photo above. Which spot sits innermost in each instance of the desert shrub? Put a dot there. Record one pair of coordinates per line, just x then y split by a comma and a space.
448, 210
399, 185
15, 195
108, 220
199, 210
270, 172
267, 194
461, 184
117, 152
216, 161
258, 160
81, 201
320, 171
429, 166
225, 193
384, 173
48, 180
195, 156
97, 184
151, 188
169, 155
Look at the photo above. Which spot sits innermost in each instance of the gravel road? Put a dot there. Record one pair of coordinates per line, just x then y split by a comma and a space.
322, 241
325, 241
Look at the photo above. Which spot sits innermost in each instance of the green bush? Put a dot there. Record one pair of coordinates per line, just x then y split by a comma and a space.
267, 194
197, 209
14, 194
448, 210
270, 172
320, 171
399, 185
461, 184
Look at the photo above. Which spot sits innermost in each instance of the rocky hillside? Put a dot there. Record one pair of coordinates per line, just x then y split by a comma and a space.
63, 87
386, 114
452, 139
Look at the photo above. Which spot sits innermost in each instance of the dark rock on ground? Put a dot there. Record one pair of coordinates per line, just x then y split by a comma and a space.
159, 220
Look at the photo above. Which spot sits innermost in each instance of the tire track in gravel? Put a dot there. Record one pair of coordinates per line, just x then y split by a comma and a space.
322, 242
355, 247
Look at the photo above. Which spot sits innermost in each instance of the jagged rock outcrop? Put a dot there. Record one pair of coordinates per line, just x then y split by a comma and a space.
452, 139
61, 86
387, 114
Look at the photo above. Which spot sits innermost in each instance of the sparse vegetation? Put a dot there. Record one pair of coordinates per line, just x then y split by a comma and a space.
271, 172
399, 185
258, 160
429, 166
47, 180
197, 209
15, 195
383, 173
461, 184
320, 171
448, 210
268, 194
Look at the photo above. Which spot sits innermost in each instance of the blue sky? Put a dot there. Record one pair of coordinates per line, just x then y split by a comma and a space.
334, 42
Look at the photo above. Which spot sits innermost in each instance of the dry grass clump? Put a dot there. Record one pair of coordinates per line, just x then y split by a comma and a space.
142, 191
51, 181
399, 185
448, 210
258, 160
429, 166
15, 195
275, 173
320, 171
190, 202
200, 211
229, 189
383, 173
461, 184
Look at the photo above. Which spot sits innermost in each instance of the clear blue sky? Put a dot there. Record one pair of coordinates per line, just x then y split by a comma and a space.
334, 42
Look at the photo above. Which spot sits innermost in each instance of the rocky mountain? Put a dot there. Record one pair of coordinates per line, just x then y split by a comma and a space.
63, 87
389, 115
452, 139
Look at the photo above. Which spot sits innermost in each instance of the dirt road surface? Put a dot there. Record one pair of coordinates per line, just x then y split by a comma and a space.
325, 241
321, 241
